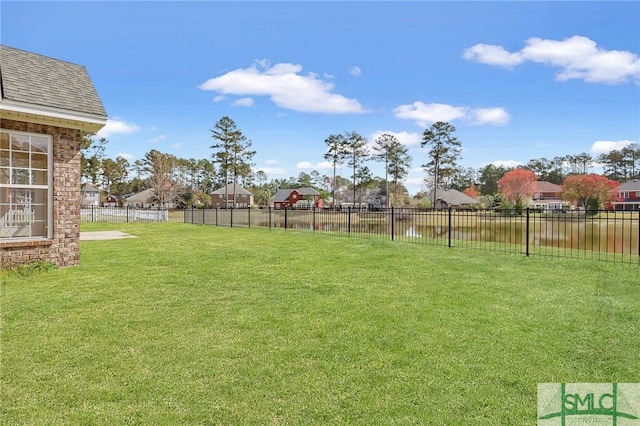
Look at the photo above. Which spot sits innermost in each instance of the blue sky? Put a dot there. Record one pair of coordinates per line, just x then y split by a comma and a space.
518, 80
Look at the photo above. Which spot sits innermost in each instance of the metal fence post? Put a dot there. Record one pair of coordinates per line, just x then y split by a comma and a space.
127, 214
248, 216
449, 227
285, 218
269, 217
392, 224
527, 234
348, 220
313, 219
217, 208
231, 217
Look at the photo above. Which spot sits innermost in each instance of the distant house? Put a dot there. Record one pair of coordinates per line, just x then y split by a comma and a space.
110, 201
299, 198
453, 198
141, 200
628, 196
547, 196
45, 106
90, 195
243, 198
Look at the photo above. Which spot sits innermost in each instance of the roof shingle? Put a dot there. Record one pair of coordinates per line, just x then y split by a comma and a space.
34, 79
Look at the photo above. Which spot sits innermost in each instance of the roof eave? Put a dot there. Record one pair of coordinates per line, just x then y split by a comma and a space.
19, 111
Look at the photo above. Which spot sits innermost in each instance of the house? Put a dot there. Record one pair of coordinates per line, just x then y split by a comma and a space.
90, 195
141, 200
628, 196
547, 196
446, 198
243, 198
45, 106
110, 201
299, 198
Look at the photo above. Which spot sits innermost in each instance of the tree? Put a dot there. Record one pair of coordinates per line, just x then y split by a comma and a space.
92, 151
489, 177
231, 152
517, 184
590, 191
336, 154
355, 147
471, 191
114, 172
396, 161
161, 169
444, 152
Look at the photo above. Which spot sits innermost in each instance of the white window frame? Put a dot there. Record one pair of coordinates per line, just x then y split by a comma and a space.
48, 234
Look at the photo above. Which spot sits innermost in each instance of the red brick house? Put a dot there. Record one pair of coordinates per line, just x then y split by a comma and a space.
243, 198
299, 198
628, 196
547, 196
45, 105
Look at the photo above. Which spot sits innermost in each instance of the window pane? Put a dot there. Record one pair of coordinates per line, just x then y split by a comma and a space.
4, 175
20, 177
38, 144
4, 141
39, 161
39, 177
20, 159
39, 196
4, 158
20, 143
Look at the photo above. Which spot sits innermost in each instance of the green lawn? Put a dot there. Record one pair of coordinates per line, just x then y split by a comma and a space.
202, 325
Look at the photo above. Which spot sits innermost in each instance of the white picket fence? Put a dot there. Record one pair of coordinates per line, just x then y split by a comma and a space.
122, 214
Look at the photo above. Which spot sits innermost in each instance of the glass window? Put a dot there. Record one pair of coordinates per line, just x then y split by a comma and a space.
25, 186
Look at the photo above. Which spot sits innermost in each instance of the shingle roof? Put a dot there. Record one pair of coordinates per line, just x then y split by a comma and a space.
632, 185
239, 190
283, 194
544, 186
34, 79
453, 197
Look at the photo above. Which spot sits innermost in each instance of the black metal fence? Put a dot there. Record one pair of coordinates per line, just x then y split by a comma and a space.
599, 235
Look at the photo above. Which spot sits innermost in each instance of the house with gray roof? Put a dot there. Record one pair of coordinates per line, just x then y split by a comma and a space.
446, 198
235, 196
46, 105
298, 198
628, 196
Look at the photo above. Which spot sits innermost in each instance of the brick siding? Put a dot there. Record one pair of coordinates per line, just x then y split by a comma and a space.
64, 248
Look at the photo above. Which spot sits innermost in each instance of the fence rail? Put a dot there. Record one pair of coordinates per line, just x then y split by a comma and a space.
599, 235
122, 214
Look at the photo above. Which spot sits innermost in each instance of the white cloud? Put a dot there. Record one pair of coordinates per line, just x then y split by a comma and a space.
271, 171
318, 166
156, 139
576, 57
126, 155
219, 98
491, 116
425, 114
271, 162
286, 87
603, 147
355, 71
405, 138
492, 55
116, 127
245, 102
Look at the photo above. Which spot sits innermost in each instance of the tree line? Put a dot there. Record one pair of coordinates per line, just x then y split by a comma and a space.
188, 182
